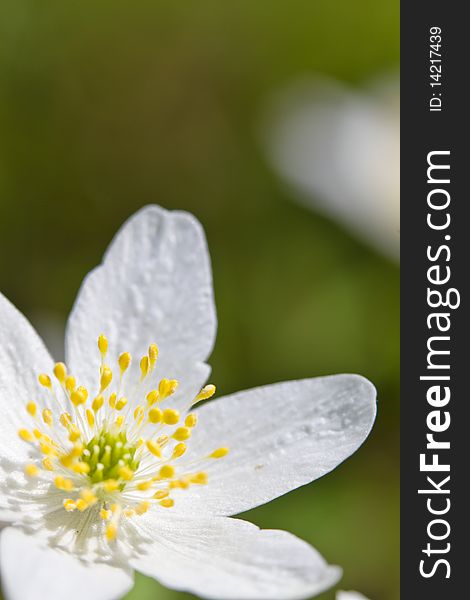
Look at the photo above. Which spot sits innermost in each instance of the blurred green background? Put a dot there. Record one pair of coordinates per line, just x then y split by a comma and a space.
107, 106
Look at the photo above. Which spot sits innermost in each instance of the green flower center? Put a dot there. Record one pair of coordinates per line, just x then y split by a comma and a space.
109, 455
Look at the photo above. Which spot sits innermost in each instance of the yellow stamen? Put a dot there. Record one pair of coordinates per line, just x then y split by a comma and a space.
167, 387
110, 485
219, 453
106, 377
182, 434
121, 403
170, 416
102, 344
145, 485
144, 366
69, 505
142, 508
47, 464
155, 415
111, 532
45, 380
191, 420
90, 417
199, 478
153, 354
81, 504
97, 403
70, 383
105, 514
179, 450
161, 494
154, 448
47, 417
152, 397
112, 400
25, 435
31, 470
124, 362
167, 471
126, 473
167, 503
60, 371
62, 483
207, 392
32, 408
81, 467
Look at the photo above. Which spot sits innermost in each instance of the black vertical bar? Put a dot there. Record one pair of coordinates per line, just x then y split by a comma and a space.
445, 128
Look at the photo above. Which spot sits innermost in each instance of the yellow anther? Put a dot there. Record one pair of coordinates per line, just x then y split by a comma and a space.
70, 383
145, 485
45, 380
112, 400
162, 440
79, 396
179, 450
60, 371
153, 354
47, 417
66, 460
115, 508
119, 420
88, 496
111, 532
124, 361
219, 453
74, 433
144, 366
161, 494
110, 485
31, 470
97, 403
167, 387
138, 412
81, 504
152, 397
142, 508
90, 417
129, 512
65, 420
47, 464
207, 392
154, 448
81, 467
62, 483
76, 450
167, 471
126, 473
38, 434
25, 435
171, 416
155, 415
106, 377
103, 344
182, 434
167, 503
69, 505
32, 408
139, 442
121, 403
199, 478
191, 420
105, 514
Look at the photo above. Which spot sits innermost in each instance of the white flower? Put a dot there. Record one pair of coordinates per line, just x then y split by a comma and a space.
340, 148
102, 467
349, 596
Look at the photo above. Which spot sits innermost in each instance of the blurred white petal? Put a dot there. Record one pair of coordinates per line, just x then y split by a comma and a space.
339, 148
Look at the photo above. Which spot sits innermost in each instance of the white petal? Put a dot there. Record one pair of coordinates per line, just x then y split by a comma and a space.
23, 357
349, 596
31, 571
231, 559
154, 286
280, 437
